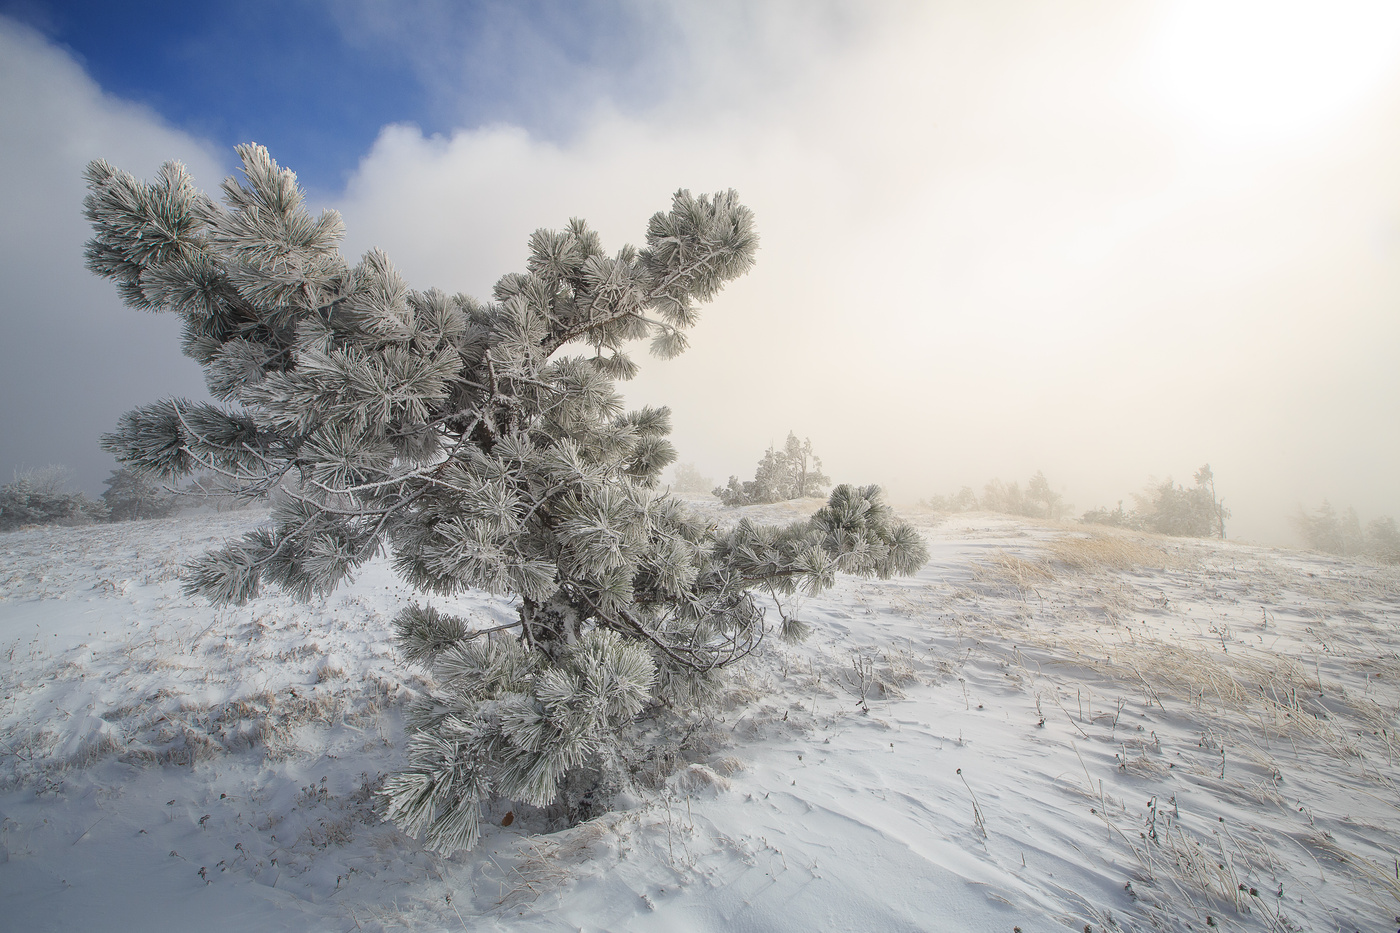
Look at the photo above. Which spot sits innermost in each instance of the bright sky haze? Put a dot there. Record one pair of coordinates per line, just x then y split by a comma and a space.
1104, 240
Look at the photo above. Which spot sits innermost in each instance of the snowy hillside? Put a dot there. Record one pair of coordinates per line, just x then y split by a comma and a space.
1044, 730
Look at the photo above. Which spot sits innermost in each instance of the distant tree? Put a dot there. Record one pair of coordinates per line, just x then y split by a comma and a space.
805, 468
1326, 530
1038, 500
794, 472
1002, 497
1353, 539
964, 500
687, 479
1340, 532
131, 495
52, 480
1172, 509
41, 497
772, 479
1383, 540
1205, 479
1043, 500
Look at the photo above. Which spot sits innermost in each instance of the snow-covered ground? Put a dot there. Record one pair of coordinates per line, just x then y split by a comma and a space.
1046, 729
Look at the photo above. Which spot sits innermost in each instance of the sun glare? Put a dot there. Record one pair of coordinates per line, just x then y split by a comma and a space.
1262, 72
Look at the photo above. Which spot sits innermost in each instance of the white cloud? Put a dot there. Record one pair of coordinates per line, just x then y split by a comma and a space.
72, 358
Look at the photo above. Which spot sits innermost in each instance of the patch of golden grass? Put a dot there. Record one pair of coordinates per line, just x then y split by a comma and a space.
1002, 568
1104, 551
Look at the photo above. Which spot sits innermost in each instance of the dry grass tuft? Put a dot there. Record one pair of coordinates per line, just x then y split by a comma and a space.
897, 673
1003, 569
699, 777
1105, 551
729, 765
96, 747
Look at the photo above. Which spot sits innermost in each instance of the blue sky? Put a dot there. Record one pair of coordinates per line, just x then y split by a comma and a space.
1102, 240
315, 80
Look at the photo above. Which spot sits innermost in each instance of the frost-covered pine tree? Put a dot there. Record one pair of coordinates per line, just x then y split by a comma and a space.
130, 496
461, 437
794, 472
41, 497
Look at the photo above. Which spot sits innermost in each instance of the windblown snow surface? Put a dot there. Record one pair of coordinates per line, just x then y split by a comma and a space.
1047, 728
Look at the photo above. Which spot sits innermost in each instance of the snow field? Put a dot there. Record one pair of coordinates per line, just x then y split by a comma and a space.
1047, 728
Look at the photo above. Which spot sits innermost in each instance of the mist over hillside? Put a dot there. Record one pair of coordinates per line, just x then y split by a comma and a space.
1108, 244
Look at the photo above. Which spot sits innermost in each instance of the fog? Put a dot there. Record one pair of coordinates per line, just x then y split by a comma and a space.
992, 244
1108, 242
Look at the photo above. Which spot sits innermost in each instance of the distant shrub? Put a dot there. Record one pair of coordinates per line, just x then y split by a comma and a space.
1117, 518
41, 497
1041, 499
794, 472
130, 496
964, 500
1176, 510
1037, 501
1169, 508
1002, 497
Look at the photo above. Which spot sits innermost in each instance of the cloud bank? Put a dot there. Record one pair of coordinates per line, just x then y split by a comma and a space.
994, 240
990, 246
72, 359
